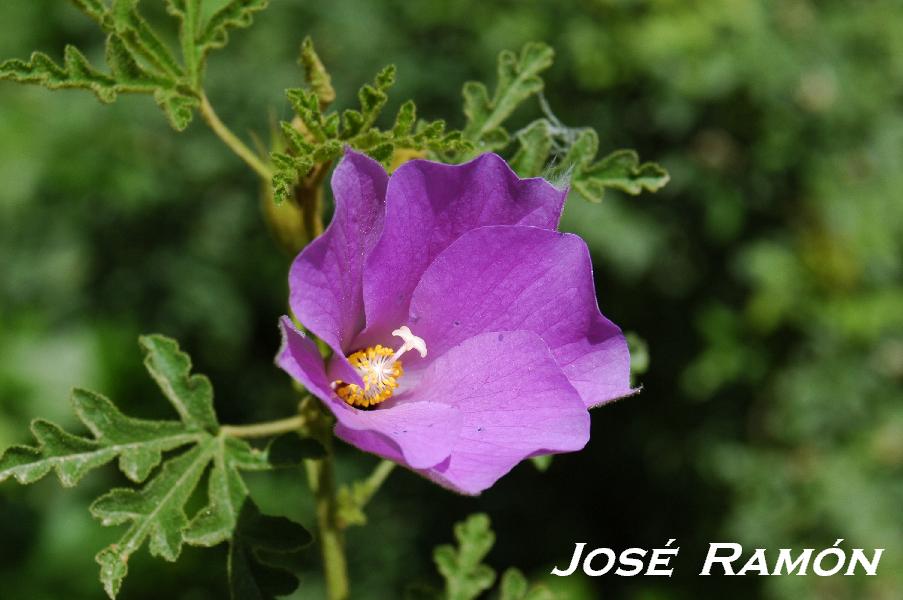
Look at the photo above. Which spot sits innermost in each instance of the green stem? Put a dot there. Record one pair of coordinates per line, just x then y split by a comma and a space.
230, 139
270, 428
190, 19
371, 485
313, 222
332, 544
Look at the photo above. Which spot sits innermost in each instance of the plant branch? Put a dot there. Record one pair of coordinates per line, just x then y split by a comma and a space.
309, 197
231, 140
332, 544
371, 485
267, 429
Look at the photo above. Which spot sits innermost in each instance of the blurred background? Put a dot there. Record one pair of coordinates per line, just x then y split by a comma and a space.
767, 280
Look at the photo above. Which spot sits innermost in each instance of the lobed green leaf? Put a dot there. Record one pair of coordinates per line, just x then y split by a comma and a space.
237, 14
189, 14
156, 513
226, 492
535, 146
619, 170
514, 586
137, 443
75, 73
191, 395
124, 20
178, 107
315, 137
127, 75
518, 80
138, 58
465, 575
315, 73
96, 9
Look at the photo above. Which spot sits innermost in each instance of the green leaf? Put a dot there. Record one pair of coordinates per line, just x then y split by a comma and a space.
138, 63
582, 151
126, 68
226, 492
372, 99
350, 505
382, 152
295, 140
139, 60
351, 500
307, 106
315, 73
405, 119
619, 170
178, 108
189, 13
124, 20
465, 575
156, 512
93, 8
287, 172
515, 587
137, 443
535, 146
518, 80
236, 14
191, 395
257, 540
75, 73
315, 137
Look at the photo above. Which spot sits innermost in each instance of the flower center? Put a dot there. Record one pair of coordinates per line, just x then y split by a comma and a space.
380, 368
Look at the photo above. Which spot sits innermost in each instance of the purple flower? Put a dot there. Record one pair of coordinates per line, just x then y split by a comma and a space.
465, 331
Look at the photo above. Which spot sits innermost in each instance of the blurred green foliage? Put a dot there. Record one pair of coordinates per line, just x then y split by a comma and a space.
767, 280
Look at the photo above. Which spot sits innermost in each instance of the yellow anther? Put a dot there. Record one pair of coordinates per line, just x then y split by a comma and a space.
379, 372
380, 369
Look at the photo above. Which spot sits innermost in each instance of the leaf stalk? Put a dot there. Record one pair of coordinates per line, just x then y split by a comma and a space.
232, 141
266, 429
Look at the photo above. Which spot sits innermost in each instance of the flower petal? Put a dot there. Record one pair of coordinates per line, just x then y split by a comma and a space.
428, 206
511, 277
299, 357
417, 434
515, 403
325, 279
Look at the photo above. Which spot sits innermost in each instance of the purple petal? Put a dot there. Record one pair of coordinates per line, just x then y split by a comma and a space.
428, 206
511, 277
325, 279
515, 403
417, 434
299, 357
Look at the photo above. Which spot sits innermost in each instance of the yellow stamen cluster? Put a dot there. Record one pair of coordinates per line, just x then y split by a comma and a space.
379, 372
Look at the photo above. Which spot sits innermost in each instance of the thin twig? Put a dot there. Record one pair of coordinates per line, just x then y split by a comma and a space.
267, 429
230, 139
372, 484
